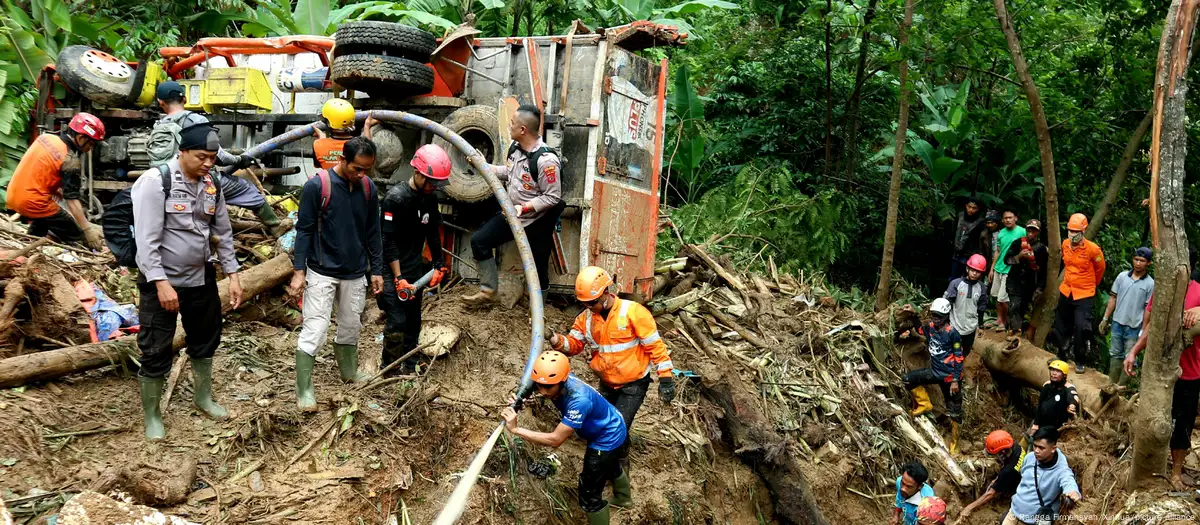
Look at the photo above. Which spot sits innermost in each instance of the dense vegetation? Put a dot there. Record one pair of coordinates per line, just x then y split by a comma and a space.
783, 112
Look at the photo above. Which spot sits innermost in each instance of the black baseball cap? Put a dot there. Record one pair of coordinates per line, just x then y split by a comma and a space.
169, 90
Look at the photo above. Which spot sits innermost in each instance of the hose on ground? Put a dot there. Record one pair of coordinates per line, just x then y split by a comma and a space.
457, 502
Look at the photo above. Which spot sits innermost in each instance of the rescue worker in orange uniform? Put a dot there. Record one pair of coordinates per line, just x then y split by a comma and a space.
624, 341
49, 172
1083, 268
339, 115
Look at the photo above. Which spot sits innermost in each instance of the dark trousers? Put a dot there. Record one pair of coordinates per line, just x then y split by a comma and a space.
958, 267
1073, 319
968, 343
627, 399
495, 232
61, 225
1020, 294
403, 322
200, 307
1184, 404
926, 376
599, 468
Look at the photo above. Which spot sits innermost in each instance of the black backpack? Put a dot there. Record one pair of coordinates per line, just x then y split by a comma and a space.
118, 220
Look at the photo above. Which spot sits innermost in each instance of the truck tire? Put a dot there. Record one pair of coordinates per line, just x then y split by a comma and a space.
383, 38
382, 75
479, 125
389, 151
98, 76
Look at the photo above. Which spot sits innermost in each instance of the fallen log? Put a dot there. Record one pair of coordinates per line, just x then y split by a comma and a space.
41, 366
1021, 360
729, 321
708, 261
752, 437
14, 293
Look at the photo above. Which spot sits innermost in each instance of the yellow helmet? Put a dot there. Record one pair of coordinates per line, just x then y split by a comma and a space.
1061, 366
591, 283
339, 113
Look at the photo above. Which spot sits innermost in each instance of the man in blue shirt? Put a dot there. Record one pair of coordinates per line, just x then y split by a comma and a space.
910, 490
1044, 482
1126, 305
337, 246
586, 413
945, 368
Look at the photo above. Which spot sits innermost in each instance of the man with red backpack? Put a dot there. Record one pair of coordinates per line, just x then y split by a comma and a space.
411, 221
337, 247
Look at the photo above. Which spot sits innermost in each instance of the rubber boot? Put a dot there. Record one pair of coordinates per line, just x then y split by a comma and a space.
600, 517
622, 492
202, 389
306, 399
489, 280
921, 397
953, 438
266, 214
151, 389
347, 361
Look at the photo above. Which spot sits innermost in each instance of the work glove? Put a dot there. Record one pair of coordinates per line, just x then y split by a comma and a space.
666, 389
1104, 325
94, 237
244, 161
403, 288
438, 275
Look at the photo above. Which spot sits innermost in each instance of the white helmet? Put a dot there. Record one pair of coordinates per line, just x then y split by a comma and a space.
940, 306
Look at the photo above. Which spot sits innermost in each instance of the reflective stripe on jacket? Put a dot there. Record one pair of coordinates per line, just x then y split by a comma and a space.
625, 347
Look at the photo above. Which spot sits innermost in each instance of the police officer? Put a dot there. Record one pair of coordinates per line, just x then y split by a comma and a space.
171, 229
535, 190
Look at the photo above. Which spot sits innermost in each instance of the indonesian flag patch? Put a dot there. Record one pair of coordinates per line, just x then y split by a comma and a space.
387, 215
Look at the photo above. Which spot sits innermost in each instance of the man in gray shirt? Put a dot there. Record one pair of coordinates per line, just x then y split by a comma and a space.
172, 224
1128, 298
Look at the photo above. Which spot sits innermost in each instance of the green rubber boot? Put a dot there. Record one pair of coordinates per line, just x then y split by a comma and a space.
347, 361
600, 517
306, 399
151, 389
202, 388
622, 492
270, 221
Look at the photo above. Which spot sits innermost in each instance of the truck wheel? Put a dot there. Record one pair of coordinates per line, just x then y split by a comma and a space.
98, 76
479, 125
382, 75
389, 150
383, 38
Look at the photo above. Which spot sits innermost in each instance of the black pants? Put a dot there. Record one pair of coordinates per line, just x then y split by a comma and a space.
1073, 319
1020, 295
627, 399
599, 468
61, 225
403, 322
495, 232
200, 307
968, 343
1184, 404
926, 376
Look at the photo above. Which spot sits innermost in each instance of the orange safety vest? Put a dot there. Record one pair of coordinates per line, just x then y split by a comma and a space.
625, 346
37, 182
328, 151
1083, 267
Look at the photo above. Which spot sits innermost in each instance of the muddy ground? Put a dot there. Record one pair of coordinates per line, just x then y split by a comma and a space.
397, 450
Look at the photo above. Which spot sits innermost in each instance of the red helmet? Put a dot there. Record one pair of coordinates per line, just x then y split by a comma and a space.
977, 262
932, 510
88, 125
433, 162
998, 441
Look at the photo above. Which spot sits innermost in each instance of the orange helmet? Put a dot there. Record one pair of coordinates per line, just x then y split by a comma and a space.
1078, 222
551, 368
931, 510
591, 283
998, 441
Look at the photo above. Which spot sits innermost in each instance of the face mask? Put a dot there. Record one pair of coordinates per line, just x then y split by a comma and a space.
1076, 237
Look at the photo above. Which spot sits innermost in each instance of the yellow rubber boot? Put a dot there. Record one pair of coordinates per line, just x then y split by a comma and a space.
954, 438
921, 398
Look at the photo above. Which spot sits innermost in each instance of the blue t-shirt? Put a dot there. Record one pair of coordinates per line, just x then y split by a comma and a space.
593, 417
908, 506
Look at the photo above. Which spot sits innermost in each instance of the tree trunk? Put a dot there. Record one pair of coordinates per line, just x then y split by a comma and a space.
1168, 150
884, 292
1050, 187
828, 87
1027, 364
41, 366
853, 104
1118, 179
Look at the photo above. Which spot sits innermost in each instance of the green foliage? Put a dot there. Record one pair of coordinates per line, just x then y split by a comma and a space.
318, 17
761, 210
687, 121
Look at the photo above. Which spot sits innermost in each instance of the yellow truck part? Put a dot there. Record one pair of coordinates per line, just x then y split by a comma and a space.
236, 88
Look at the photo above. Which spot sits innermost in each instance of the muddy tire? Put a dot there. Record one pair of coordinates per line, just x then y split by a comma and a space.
383, 38
479, 125
389, 153
98, 76
382, 75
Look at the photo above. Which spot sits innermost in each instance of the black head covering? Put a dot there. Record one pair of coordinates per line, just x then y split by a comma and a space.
199, 136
